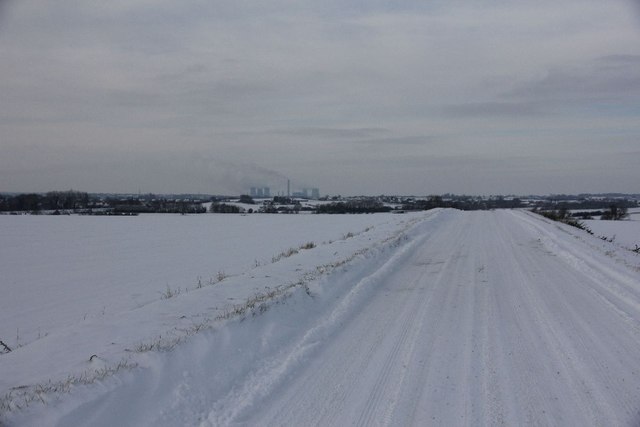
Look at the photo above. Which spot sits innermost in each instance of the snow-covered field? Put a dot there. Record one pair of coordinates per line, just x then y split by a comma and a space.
436, 318
61, 270
75, 286
626, 232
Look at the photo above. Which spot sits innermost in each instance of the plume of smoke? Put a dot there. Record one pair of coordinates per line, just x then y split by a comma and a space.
235, 178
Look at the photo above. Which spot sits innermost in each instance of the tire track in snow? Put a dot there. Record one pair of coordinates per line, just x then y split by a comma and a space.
495, 340
614, 286
583, 347
381, 387
369, 383
338, 373
375, 412
457, 381
534, 400
273, 372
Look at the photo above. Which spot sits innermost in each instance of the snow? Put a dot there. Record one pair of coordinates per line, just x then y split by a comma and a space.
626, 232
75, 286
57, 271
437, 318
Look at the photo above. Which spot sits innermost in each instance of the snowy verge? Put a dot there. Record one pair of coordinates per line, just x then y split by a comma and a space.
96, 349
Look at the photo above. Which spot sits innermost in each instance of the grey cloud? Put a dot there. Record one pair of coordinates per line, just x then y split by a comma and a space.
596, 80
492, 109
4, 4
334, 133
620, 59
384, 89
185, 73
149, 170
420, 141
450, 163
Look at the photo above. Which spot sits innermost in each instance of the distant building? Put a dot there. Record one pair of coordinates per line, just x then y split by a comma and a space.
260, 192
308, 193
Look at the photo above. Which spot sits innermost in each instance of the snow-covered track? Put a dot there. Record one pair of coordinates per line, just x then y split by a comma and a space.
489, 322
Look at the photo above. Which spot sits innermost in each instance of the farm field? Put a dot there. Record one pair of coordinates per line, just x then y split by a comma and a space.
61, 270
626, 232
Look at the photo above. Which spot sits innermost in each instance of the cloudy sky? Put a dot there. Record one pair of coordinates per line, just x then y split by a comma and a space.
351, 96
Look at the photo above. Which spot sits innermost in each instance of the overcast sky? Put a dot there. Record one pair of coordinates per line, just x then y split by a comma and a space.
351, 96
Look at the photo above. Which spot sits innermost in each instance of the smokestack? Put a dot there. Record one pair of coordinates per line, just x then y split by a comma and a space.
288, 188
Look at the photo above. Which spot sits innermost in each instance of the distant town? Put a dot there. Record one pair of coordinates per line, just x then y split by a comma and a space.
306, 200
303, 193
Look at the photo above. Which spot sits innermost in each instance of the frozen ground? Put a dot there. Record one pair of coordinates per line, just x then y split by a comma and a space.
61, 270
626, 232
446, 318
78, 286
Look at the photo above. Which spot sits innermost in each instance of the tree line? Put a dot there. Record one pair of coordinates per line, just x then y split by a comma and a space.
53, 200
